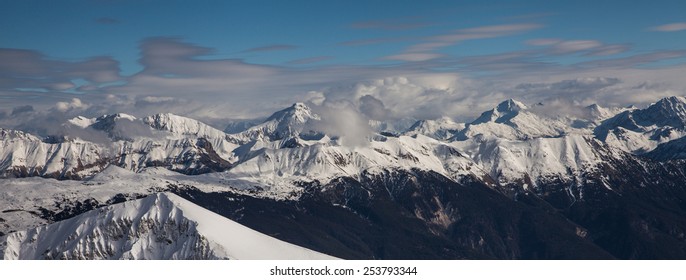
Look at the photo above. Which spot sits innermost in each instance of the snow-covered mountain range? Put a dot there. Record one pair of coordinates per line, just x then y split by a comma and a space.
587, 167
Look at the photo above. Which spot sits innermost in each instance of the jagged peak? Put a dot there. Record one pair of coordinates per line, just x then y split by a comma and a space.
442, 121
511, 105
668, 111
116, 116
673, 107
597, 111
282, 124
299, 112
80, 121
16, 134
505, 111
672, 103
595, 106
441, 128
108, 122
166, 120
182, 125
673, 99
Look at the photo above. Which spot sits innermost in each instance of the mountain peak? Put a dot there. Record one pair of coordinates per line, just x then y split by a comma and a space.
673, 99
181, 125
675, 104
505, 111
116, 116
442, 128
108, 122
299, 105
81, 121
598, 112
282, 124
167, 121
7, 134
667, 111
298, 112
511, 105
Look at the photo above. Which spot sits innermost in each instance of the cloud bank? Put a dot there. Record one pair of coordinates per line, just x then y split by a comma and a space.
187, 79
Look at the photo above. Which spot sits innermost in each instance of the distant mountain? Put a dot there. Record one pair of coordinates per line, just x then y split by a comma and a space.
282, 124
641, 130
441, 129
502, 113
513, 120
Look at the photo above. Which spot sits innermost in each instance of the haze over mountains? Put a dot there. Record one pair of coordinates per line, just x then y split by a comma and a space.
513, 183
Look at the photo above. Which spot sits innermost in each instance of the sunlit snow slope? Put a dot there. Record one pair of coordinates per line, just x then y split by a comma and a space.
160, 226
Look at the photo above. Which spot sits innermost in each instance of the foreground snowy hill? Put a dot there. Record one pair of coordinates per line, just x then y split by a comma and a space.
160, 226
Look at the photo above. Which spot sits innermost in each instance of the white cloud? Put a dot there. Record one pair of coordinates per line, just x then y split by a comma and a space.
672, 27
609, 50
31, 69
422, 96
482, 32
413, 57
177, 78
505, 29
575, 46
341, 119
157, 99
589, 47
74, 104
542, 42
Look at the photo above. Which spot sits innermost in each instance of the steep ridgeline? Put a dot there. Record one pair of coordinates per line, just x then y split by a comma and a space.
177, 143
440, 129
160, 226
520, 181
642, 130
281, 125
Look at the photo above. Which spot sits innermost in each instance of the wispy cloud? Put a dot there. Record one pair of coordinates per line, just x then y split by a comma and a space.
672, 27
269, 48
609, 50
413, 57
567, 88
501, 30
399, 24
587, 47
375, 41
425, 50
310, 60
635, 60
179, 77
566, 47
475, 33
510, 63
543, 42
30, 69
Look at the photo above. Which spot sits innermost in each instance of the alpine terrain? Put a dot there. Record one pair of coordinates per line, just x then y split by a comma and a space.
514, 183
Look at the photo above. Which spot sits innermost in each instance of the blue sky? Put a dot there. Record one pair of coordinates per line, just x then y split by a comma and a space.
255, 56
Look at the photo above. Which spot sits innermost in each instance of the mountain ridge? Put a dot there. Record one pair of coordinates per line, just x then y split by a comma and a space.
160, 226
